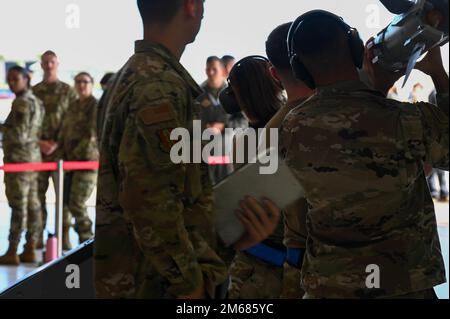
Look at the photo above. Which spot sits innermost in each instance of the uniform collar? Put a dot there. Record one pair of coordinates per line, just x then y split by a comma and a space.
343, 87
56, 83
144, 46
207, 88
25, 94
295, 103
88, 100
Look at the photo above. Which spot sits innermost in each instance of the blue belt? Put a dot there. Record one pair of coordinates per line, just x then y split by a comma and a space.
295, 257
276, 257
268, 254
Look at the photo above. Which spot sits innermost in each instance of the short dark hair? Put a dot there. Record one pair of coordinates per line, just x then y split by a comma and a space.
106, 78
322, 44
227, 59
158, 11
85, 74
320, 36
277, 48
22, 71
50, 53
212, 59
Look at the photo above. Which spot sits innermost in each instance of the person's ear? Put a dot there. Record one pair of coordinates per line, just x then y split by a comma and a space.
190, 8
274, 74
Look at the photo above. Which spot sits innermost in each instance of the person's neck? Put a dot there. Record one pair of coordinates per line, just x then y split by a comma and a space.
50, 78
21, 93
215, 86
163, 35
337, 77
295, 89
297, 93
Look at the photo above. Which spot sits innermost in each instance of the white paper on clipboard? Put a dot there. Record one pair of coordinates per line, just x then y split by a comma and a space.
282, 188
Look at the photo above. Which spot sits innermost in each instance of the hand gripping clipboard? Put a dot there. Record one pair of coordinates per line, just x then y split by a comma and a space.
282, 188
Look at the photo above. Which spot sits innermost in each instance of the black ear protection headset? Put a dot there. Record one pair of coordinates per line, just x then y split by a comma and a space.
356, 45
227, 97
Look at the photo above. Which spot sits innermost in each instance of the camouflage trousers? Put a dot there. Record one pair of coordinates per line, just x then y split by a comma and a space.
292, 283
123, 272
78, 189
254, 279
22, 194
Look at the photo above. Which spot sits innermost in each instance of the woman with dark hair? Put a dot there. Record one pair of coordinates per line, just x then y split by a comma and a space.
256, 273
257, 93
78, 143
21, 133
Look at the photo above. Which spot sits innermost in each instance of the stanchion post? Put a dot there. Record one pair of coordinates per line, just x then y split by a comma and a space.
59, 206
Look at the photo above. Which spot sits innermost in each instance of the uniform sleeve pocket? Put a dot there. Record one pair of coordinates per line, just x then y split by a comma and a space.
155, 125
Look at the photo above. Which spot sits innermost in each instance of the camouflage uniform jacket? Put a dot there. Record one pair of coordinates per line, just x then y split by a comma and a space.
78, 136
294, 216
158, 212
22, 129
56, 98
360, 158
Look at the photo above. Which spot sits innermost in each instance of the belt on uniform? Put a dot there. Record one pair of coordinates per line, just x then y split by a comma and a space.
268, 254
295, 257
276, 257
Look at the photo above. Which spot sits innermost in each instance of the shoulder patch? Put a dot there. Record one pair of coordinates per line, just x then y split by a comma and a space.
20, 106
158, 114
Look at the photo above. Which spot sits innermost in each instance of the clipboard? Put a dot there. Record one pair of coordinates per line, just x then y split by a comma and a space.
283, 188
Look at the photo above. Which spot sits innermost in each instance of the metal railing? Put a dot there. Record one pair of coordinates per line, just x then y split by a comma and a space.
60, 168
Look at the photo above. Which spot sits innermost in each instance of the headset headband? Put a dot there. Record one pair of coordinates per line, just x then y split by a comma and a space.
251, 57
298, 22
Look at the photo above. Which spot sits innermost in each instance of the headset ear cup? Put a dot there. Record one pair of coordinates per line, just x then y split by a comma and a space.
301, 73
357, 47
229, 102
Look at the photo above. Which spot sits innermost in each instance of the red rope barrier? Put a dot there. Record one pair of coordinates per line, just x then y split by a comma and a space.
49, 167
81, 166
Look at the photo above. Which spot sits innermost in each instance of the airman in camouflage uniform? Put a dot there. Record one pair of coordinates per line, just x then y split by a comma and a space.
20, 144
154, 227
294, 219
257, 273
57, 97
77, 142
257, 277
253, 278
372, 230
359, 157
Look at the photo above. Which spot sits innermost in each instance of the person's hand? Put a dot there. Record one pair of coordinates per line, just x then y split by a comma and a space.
382, 80
428, 169
48, 147
433, 66
217, 127
199, 293
260, 220
44, 146
432, 63
52, 148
